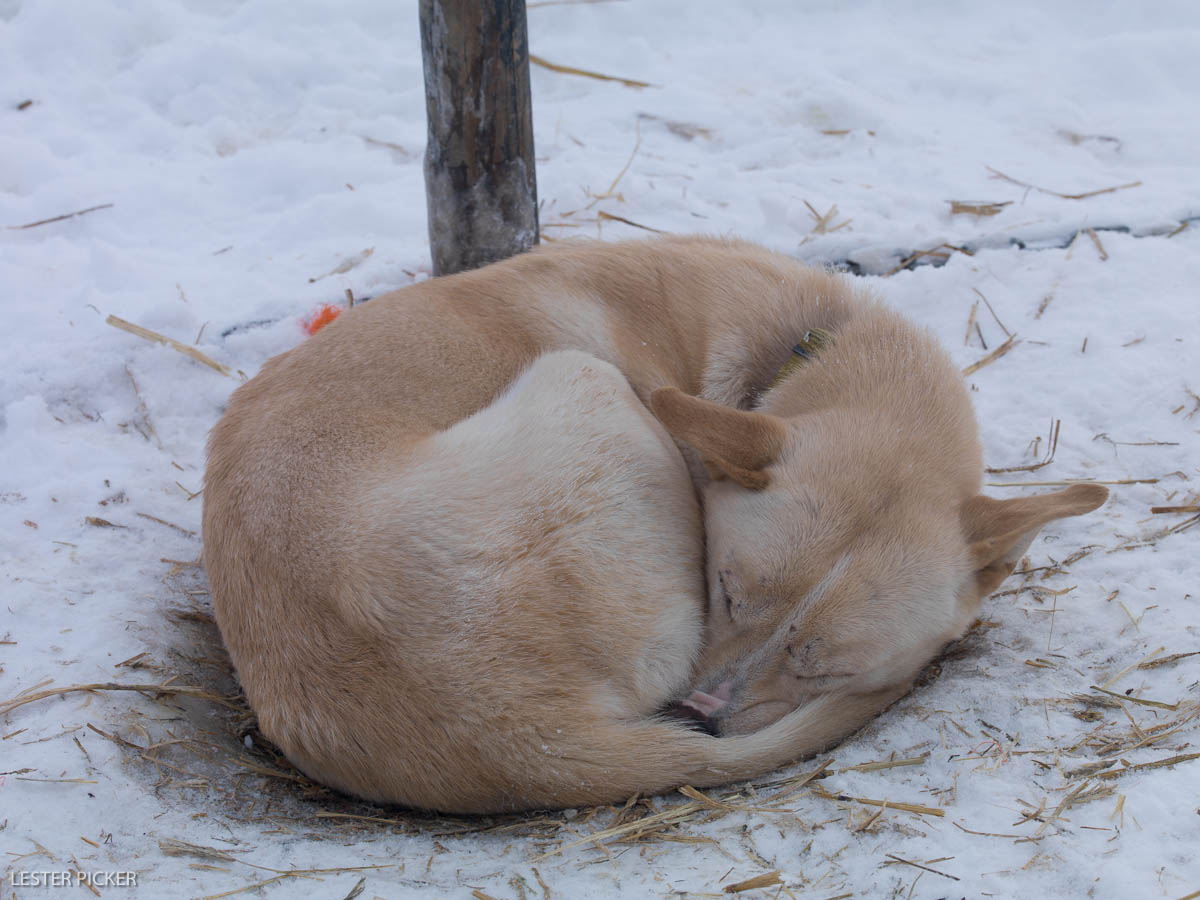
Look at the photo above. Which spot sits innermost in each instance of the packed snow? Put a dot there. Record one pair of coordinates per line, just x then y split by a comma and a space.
246, 162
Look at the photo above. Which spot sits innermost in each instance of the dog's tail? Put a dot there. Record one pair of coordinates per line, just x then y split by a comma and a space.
611, 762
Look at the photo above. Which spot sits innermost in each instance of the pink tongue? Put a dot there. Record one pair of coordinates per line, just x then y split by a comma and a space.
707, 704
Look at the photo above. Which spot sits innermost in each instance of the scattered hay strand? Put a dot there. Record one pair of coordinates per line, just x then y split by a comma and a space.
977, 209
350, 262
886, 764
909, 862
988, 304
636, 828
271, 773
97, 522
1099, 246
586, 73
172, 847
80, 878
1156, 764
182, 689
1165, 660
991, 357
688, 791
1069, 481
329, 814
1184, 525
971, 322
143, 411
179, 528
1047, 819
191, 495
1190, 508
768, 879
1041, 190
1155, 703
1087, 770
872, 819
249, 887
1033, 467
390, 145
905, 807
615, 218
1044, 304
825, 223
936, 252
984, 833
689, 131
612, 188
700, 803
154, 336
71, 215
796, 784
1129, 669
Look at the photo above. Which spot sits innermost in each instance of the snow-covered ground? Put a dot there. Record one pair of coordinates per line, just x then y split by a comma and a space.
244, 151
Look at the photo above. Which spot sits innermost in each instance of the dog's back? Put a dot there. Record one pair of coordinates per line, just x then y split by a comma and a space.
444, 623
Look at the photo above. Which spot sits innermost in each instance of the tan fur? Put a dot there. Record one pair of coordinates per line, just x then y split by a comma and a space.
458, 565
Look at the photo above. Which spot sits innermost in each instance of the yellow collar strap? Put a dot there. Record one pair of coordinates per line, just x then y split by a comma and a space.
814, 341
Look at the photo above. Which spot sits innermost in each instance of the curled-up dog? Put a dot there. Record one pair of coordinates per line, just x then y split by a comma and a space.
460, 562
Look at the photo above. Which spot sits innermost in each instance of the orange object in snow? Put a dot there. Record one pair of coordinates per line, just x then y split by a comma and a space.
321, 318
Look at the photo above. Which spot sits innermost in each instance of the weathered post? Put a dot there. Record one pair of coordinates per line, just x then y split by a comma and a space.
480, 185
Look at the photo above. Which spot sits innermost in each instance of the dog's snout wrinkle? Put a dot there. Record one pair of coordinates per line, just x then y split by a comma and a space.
815, 595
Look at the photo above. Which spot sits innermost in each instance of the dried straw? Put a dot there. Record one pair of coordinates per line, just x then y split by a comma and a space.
825, 222
70, 215
586, 73
886, 764
1156, 764
192, 352
977, 209
905, 807
1155, 703
615, 218
1099, 246
1052, 447
1041, 190
991, 357
936, 252
758, 881
909, 862
1070, 481
1165, 660
183, 689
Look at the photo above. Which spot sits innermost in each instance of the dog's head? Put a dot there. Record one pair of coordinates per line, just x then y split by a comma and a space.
844, 549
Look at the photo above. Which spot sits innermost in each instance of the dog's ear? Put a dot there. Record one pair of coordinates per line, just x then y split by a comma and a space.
1000, 531
733, 443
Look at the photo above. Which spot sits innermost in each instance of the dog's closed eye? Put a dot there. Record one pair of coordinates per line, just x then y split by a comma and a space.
730, 605
802, 654
810, 661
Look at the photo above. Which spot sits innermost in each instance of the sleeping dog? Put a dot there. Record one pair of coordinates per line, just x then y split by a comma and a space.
461, 563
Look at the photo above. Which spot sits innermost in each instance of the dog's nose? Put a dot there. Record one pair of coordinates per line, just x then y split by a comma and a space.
692, 718
708, 704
